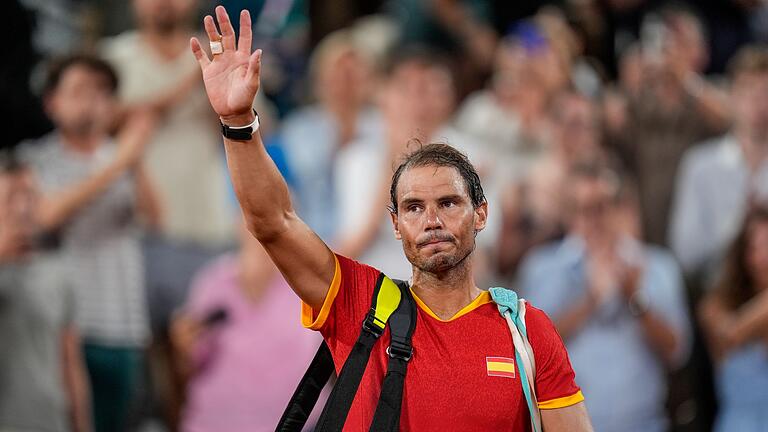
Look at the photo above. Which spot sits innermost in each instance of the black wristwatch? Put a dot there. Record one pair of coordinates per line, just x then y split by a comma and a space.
240, 133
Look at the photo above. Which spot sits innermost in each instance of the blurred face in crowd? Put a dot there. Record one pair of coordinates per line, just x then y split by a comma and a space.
749, 96
421, 94
82, 103
592, 208
342, 78
576, 127
757, 253
436, 219
516, 79
163, 15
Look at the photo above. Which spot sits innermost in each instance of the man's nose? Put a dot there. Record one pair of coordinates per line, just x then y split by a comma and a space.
433, 221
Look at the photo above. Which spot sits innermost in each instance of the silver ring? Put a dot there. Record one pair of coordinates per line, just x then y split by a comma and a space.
216, 47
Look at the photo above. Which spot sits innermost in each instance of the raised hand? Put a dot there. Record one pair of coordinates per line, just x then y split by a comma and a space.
232, 77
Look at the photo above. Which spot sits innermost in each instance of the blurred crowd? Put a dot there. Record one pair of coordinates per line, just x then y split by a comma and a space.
622, 145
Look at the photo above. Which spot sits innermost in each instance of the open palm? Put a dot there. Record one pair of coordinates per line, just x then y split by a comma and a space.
232, 77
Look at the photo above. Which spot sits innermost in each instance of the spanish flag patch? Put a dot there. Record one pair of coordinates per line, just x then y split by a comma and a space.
500, 367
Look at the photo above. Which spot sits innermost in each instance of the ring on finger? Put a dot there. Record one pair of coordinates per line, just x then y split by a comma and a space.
217, 47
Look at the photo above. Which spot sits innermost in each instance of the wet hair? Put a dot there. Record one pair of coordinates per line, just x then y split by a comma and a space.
94, 64
439, 155
736, 285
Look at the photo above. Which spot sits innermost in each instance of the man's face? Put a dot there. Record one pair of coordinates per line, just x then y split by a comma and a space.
82, 103
591, 208
750, 102
342, 78
436, 220
163, 15
420, 94
577, 128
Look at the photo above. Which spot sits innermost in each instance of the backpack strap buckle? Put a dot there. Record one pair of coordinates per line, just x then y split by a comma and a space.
399, 350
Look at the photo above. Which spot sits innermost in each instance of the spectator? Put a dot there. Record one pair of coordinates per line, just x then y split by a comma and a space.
157, 72
618, 303
184, 157
509, 118
417, 100
676, 109
532, 210
94, 190
719, 178
238, 344
44, 384
734, 316
314, 135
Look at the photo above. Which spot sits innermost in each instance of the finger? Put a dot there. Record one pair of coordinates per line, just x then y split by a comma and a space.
210, 28
200, 55
246, 33
254, 70
227, 32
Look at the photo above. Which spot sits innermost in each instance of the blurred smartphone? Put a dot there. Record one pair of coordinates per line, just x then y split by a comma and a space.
215, 317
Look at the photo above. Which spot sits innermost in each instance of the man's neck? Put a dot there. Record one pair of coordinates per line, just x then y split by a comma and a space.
446, 293
84, 144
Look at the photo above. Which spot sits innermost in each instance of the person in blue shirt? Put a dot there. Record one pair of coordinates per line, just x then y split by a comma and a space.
734, 316
618, 303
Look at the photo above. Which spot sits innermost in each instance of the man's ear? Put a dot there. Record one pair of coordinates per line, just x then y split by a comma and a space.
481, 216
395, 226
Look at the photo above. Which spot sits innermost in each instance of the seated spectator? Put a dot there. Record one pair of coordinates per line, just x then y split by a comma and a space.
618, 303
719, 178
94, 192
734, 316
44, 385
239, 346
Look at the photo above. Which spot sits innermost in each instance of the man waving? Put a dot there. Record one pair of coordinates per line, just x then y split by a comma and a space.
462, 375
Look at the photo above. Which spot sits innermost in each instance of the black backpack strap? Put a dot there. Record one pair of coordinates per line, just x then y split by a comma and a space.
401, 326
308, 391
387, 298
340, 401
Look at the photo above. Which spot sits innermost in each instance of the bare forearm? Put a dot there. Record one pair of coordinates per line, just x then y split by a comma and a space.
573, 319
751, 321
660, 335
76, 383
147, 201
56, 209
261, 190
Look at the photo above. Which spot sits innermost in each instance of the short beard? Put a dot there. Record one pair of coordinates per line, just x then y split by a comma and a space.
442, 263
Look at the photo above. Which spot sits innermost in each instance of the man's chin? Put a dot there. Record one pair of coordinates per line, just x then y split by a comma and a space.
438, 262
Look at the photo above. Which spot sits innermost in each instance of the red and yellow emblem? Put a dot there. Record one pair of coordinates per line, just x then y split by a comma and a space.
500, 367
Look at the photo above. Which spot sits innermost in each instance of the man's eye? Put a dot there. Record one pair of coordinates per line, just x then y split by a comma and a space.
448, 204
414, 207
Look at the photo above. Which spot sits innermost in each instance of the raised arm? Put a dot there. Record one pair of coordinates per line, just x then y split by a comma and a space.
56, 209
231, 81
